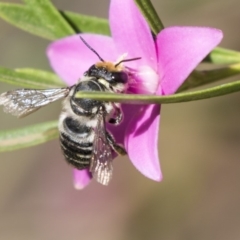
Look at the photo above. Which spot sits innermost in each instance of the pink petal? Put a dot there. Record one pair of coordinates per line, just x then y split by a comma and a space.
81, 178
180, 50
132, 134
118, 131
142, 141
70, 57
131, 33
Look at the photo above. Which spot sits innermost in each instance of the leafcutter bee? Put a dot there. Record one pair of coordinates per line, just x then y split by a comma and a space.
85, 142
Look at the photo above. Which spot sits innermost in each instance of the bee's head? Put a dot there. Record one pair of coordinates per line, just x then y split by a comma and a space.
109, 72
111, 75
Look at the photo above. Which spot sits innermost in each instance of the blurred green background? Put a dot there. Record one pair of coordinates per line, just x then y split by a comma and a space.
199, 197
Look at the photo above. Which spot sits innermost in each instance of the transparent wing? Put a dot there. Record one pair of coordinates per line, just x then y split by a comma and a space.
22, 102
101, 162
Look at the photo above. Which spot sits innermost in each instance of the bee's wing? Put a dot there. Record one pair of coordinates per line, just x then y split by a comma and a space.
22, 102
101, 162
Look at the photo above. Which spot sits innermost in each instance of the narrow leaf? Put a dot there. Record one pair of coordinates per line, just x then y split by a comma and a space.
200, 78
150, 15
29, 136
175, 98
84, 23
223, 56
30, 78
48, 15
25, 19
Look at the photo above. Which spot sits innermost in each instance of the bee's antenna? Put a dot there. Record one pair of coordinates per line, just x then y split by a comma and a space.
127, 60
91, 49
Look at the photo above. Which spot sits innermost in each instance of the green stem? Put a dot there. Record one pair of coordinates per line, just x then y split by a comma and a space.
150, 15
175, 98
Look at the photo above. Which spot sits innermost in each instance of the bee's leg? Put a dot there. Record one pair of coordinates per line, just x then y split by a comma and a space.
117, 116
116, 147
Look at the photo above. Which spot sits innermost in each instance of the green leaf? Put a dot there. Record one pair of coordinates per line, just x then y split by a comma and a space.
30, 78
29, 136
25, 19
84, 23
49, 16
175, 98
36, 22
150, 15
200, 78
223, 56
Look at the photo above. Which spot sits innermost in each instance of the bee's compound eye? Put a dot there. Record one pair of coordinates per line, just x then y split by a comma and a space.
119, 77
92, 71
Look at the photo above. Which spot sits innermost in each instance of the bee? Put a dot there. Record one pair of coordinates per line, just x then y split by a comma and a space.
84, 139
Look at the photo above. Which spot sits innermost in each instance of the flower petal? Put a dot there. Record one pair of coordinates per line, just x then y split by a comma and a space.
118, 131
70, 57
180, 50
142, 141
81, 178
131, 33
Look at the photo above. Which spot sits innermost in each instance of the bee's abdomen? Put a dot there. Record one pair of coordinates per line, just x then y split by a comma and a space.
76, 143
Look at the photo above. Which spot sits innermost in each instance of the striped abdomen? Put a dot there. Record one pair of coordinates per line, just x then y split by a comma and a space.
77, 143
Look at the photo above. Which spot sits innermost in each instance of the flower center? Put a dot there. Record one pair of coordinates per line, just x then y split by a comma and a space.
144, 80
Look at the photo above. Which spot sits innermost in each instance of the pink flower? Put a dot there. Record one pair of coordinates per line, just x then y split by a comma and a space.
165, 63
